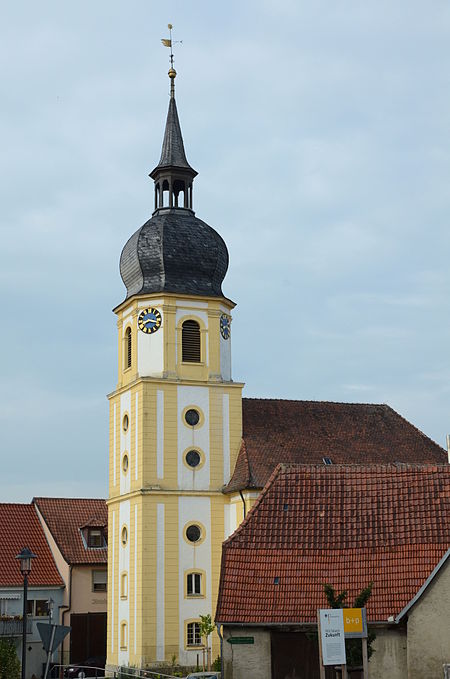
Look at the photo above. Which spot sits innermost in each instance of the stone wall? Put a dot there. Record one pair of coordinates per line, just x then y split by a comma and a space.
241, 661
429, 629
389, 658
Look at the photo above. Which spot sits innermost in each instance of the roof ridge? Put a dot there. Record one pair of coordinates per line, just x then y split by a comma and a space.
300, 400
16, 504
367, 465
69, 499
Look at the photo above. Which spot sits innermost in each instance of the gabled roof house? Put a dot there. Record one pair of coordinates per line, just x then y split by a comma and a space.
19, 528
346, 525
77, 531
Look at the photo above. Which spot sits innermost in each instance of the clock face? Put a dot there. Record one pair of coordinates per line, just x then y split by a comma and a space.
225, 326
149, 320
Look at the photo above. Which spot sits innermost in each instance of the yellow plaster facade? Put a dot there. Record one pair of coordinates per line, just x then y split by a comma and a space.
156, 495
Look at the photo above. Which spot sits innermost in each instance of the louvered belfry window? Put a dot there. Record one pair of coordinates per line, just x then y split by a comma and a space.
190, 340
128, 348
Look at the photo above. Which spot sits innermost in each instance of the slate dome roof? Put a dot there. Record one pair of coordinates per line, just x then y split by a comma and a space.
174, 252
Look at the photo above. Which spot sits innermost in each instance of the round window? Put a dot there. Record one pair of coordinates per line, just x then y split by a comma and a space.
125, 423
192, 417
125, 463
124, 535
193, 458
193, 533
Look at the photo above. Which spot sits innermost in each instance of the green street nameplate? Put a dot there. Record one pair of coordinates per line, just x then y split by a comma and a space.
241, 640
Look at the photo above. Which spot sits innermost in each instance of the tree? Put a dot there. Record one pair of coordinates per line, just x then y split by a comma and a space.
9, 662
206, 627
353, 648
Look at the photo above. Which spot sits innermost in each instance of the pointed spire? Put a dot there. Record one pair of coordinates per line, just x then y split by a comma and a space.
173, 153
173, 175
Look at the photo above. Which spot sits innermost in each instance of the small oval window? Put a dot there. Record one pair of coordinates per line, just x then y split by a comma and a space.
125, 423
192, 417
193, 533
193, 458
125, 463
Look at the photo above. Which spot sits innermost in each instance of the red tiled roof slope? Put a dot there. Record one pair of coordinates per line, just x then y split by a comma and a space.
19, 528
304, 432
345, 525
65, 517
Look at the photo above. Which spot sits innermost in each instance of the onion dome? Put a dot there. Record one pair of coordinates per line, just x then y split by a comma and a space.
174, 251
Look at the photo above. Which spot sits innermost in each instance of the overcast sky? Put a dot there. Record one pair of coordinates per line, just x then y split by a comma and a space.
320, 131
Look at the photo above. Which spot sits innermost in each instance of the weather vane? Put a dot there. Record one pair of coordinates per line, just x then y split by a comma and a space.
168, 42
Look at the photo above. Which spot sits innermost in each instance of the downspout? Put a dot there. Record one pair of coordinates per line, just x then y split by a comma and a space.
66, 609
243, 502
221, 648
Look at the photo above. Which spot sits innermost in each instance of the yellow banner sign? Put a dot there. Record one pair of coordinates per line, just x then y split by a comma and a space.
353, 620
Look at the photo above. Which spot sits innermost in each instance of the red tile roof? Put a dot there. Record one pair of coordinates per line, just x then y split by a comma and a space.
65, 517
19, 528
305, 432
345, 525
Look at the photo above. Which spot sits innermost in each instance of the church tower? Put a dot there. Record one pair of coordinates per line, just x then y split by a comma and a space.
175, 424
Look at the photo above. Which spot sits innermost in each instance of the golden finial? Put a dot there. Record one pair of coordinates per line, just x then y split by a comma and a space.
168, 42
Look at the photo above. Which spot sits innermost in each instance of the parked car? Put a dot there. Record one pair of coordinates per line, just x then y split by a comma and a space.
204, 675
91, 667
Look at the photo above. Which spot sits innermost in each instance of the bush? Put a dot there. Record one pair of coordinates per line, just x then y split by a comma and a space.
9, 662
352, 646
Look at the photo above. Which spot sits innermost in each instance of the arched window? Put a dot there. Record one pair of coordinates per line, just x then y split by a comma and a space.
124, 586
165, 194
190, 340
123, 636
193, 635
178, 192
128, 348
194, 585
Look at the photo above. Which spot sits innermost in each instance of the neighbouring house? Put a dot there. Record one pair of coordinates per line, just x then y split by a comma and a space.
76, 530
346, 525
19, 528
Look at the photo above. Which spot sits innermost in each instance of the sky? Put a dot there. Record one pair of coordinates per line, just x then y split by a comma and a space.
320, 131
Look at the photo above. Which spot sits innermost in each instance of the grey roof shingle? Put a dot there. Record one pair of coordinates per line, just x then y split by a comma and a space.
173, 153
174, 252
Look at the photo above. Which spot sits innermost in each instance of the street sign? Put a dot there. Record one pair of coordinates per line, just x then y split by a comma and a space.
52, 640
355, 623
241, 640
332, 636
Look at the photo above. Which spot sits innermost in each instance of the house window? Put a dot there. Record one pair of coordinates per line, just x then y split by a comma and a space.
37, 608
99, 581
190, 342
3, 607
193, 637
95, 537
127, 348
194, 584
124, 586
123, 636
